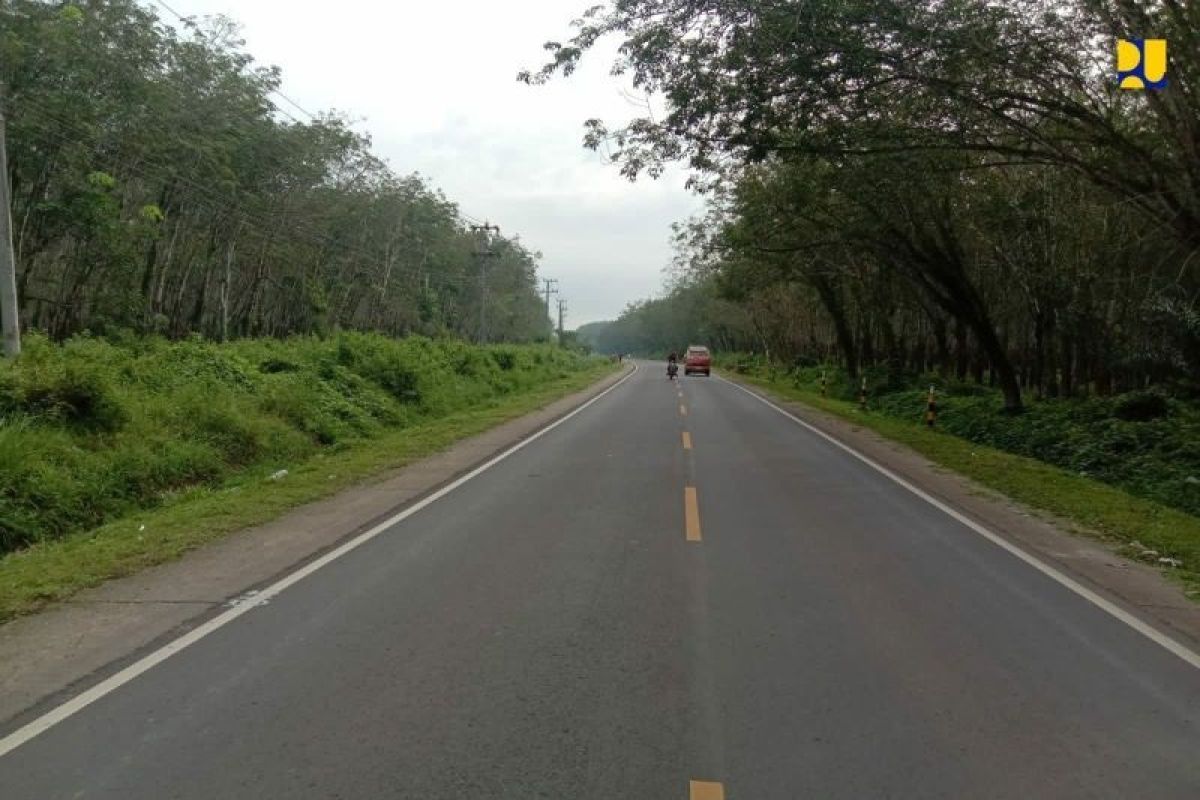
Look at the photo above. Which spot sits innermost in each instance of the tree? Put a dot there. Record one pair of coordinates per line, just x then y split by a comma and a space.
156, 187
953, 185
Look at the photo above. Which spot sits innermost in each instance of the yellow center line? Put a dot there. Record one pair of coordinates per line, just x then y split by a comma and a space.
687, 441
691, 513
706, 790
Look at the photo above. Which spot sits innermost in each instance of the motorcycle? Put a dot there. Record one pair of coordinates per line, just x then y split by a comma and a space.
672, 370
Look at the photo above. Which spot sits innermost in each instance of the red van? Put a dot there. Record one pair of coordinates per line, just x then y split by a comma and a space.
697, 361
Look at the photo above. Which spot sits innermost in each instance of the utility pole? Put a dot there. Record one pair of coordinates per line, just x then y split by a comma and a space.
483, 251
562, 311
550, 282
9, 308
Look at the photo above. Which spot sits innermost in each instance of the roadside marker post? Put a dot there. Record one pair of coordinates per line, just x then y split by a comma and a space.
862, 395
931, 408
824, 384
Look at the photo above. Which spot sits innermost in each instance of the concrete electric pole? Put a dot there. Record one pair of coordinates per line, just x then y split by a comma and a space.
562, 312
483, 251
551, 288
9, 308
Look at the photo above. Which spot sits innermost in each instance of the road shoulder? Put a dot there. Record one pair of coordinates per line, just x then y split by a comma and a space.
54, 654
1139, 588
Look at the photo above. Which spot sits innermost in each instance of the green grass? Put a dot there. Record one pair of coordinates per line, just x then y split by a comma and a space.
1132, 524
118, 456
92, 430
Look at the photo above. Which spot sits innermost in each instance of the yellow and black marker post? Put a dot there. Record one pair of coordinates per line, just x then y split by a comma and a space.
931, 408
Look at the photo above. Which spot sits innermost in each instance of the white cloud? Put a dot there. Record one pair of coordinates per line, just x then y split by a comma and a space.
434, 84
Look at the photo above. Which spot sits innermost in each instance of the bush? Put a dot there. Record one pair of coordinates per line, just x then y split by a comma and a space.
75, 395
1141, 407
72, 385
505, 359
229, 427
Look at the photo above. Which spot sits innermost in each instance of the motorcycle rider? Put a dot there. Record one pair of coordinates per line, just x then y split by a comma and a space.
672, 364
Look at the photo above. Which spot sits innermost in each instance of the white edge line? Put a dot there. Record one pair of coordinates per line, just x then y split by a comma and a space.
1096, 599
246, 603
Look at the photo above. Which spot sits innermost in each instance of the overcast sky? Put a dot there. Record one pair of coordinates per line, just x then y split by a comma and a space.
434, 84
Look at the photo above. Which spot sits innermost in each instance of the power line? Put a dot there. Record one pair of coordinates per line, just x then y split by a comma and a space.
164, 132
189, 22
263, 225
185, 20
294, 104
286, 114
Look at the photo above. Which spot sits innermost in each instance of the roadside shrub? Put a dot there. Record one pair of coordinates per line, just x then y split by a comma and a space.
9, 391
163, 366
75, 395
379, 360
18, 523
1141, 406
275, 365
505, 359
17, 526
222, 423
42, 475
317, 408
139, 473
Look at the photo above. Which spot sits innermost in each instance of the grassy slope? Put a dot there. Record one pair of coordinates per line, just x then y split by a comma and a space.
56, 568
1133, 524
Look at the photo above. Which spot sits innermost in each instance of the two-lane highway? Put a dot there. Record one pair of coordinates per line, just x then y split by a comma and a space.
676, 593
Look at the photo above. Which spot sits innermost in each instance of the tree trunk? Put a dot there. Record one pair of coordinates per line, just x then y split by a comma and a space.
945, 361
832, 302
867, 351
1002, 371
962, 357
1066, 371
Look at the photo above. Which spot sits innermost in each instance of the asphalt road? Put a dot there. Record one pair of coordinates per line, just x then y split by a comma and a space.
572, 623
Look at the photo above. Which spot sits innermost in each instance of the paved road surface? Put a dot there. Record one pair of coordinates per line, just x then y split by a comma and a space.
569, 624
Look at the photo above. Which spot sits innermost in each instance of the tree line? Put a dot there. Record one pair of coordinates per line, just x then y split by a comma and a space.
919, 185
157, 185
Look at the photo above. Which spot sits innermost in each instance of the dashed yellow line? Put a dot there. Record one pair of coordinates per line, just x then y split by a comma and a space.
691, 514
706, 790
687, 441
